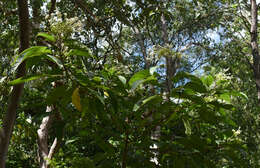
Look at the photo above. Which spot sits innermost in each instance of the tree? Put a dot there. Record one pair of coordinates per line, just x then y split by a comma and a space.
111, 73
10, 115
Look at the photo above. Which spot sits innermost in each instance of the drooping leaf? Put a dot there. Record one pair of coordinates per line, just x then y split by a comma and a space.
95, 93
139, 82
154, 99
122, 79
80, 52
36, 51
54, 60
30, 78
186, 76
76, 99
239, 94
196, 86
141, 75
46, 36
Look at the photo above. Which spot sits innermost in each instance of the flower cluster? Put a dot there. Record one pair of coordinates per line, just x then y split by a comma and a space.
62, 26
157, 52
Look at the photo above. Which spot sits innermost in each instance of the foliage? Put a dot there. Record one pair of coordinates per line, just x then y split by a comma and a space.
109, 61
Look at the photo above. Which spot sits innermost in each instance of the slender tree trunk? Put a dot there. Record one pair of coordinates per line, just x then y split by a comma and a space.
254, 46
170, 65
44, 153
42, 141
10, 115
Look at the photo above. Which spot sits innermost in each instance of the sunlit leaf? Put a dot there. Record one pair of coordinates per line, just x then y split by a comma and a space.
80, 52
30, 78
122, 79
207, 80
141, 75
36, 51
46, 36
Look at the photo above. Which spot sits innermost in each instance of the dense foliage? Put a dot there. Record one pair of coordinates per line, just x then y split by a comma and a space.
131, 83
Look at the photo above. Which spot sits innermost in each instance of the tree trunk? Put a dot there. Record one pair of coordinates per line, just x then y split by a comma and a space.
10, 115
170, 64
254, 46
44, 153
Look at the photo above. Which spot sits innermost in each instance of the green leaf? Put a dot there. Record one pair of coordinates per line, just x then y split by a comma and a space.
154, 99
46, 36
54, 60
29, 78
239, 94
71, 141
97, 95
188, 94
80, 52
139, 82
196, 86
187, 126
193, 82
36, 51
226, 97
122, 79
221, 105
207, 80
141, 75
231, 94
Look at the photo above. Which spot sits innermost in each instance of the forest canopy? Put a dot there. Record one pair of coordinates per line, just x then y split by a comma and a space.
129, 83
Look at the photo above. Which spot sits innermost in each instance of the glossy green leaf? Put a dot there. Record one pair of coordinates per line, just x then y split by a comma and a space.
122, 79
141, 75
36, 51
54, 60
80, 52
154, 99
196, 86
46, 36
239, 94
142, 81
29, 78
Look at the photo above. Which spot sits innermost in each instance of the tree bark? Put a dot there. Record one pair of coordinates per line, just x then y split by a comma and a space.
9, 118
254, 46
44, 153
171, 64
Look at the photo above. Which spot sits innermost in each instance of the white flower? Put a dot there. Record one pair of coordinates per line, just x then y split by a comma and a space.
236, 132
